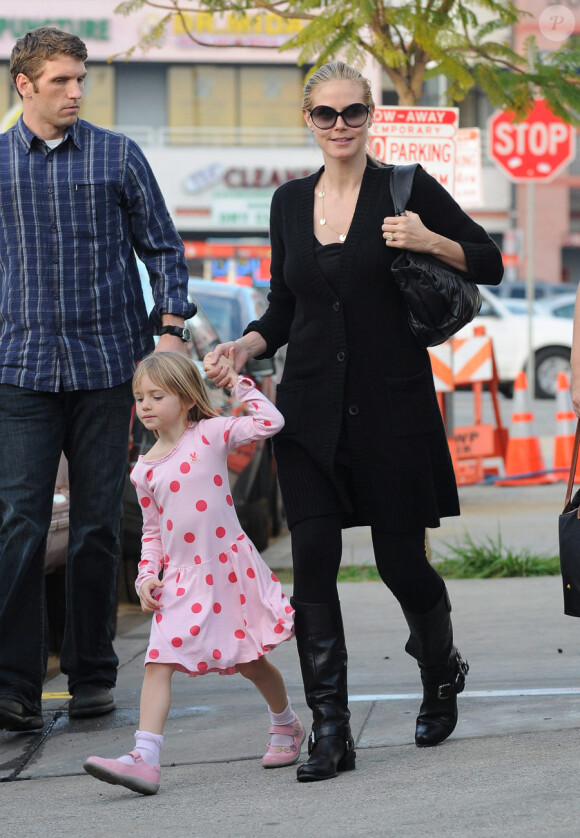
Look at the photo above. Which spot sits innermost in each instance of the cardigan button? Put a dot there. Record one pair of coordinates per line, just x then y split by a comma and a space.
340, 356
353, 410
336, 305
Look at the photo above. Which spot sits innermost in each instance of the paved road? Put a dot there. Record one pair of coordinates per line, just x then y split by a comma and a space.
511, 767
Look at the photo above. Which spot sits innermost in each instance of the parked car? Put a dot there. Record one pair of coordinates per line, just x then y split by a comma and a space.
230, 308
552, 342
542, 289
251, 467
560, 306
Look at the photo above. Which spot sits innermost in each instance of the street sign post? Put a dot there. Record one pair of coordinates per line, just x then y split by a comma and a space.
532, 151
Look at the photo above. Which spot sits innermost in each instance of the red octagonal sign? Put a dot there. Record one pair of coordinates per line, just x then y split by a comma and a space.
535, 149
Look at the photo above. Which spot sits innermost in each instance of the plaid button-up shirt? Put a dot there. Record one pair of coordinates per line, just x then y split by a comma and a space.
72, 314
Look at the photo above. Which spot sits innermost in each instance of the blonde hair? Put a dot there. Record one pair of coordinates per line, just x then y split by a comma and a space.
339, 71
336, 71
176, 374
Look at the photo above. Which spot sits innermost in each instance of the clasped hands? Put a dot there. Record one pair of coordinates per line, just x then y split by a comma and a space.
219, 367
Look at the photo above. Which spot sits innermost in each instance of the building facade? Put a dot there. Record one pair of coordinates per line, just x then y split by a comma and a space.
219, 118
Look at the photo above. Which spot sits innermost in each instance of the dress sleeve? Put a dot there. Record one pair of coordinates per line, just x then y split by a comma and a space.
261, 421
151, 561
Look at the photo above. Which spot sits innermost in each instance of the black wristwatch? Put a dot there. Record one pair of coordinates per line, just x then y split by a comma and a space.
179, 332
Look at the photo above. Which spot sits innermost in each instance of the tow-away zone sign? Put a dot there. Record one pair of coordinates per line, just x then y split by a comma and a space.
418, 135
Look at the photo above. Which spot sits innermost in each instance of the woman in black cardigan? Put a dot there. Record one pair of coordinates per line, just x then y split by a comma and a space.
364, 442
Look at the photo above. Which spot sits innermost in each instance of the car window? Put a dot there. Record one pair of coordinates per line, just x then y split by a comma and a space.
487, 309
566, 310
224, 313
204, 336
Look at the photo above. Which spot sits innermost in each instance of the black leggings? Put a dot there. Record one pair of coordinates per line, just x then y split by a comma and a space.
400, 559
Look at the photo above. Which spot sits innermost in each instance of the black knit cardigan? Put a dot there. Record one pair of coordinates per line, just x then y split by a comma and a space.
351, 357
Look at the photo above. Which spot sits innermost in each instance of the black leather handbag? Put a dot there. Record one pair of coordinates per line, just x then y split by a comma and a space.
569, 538
440, 299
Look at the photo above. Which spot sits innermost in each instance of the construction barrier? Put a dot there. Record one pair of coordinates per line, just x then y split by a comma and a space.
471, 362
524, 462
565, 431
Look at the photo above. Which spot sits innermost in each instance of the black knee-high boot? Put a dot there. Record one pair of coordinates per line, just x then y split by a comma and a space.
442, 668
323, 661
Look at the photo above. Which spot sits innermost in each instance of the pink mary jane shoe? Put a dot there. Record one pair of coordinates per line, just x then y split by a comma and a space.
139, 776
278, 755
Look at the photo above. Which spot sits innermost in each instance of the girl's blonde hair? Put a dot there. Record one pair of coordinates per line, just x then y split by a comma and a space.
336, 71
176, 374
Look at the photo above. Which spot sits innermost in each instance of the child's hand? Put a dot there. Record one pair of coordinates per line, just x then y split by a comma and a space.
148, 604
225, 366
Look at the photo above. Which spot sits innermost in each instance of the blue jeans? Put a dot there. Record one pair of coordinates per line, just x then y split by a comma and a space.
92, 428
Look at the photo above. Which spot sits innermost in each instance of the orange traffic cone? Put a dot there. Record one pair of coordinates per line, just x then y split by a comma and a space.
524, 463
565, 430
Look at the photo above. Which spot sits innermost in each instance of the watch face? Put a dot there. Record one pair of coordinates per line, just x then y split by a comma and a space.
186, 335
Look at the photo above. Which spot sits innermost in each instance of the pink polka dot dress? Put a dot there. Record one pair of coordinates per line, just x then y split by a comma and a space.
222, 605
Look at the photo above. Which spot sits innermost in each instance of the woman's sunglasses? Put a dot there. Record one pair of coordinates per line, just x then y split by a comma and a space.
354, 116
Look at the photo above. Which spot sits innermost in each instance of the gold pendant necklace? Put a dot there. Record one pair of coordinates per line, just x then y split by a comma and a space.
324, 222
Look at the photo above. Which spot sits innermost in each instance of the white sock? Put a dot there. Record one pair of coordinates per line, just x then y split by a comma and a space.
148, 745
286, 717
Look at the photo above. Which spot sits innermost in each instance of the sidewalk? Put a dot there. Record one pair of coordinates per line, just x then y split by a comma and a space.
510, 768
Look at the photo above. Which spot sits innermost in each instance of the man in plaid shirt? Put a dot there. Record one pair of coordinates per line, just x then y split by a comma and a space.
77, 203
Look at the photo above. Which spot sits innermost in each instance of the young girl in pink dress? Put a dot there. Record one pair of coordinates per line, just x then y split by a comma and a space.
216, 606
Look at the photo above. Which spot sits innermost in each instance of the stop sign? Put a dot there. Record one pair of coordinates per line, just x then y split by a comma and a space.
535, 149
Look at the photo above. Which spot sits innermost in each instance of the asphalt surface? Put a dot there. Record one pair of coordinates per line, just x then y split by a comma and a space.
510, 768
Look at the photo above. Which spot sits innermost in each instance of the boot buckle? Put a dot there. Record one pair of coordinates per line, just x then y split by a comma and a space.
462, 670
444, 691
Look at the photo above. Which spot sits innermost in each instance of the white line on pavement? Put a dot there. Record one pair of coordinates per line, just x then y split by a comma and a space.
472, 694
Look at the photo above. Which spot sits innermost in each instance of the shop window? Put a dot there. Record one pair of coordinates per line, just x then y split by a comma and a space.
98, 103
270, 99
227, 105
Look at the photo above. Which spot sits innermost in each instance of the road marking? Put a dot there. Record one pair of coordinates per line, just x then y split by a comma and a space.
472, 694
51, 696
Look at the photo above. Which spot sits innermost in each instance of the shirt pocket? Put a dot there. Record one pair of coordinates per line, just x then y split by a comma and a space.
413, 404
93, 208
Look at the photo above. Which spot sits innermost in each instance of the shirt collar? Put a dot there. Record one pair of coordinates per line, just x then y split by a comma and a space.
27, 137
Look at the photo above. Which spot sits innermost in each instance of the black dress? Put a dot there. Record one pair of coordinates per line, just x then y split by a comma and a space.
364, 434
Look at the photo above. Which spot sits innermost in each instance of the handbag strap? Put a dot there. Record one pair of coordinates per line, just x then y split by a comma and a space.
567, 506
401, 185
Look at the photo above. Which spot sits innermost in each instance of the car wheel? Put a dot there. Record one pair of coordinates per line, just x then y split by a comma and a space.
549, 362
277, 514
258, 522
130, 555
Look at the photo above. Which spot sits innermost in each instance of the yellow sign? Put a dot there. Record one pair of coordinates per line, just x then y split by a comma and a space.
10, 117
235, 29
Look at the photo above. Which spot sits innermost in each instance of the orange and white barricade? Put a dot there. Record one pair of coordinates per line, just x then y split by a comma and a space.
473, 365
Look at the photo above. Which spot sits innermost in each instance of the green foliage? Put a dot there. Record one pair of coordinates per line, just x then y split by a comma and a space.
492, 559
467, 41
